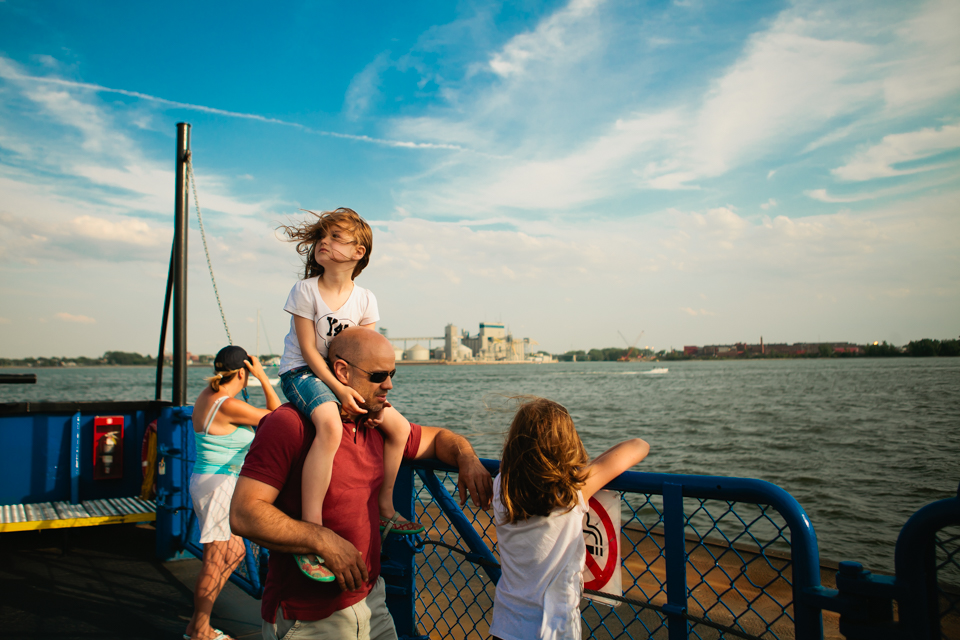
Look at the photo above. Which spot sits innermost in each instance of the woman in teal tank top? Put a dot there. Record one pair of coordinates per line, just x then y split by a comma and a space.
223, 429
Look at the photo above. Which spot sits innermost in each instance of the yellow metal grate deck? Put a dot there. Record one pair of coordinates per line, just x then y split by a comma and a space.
89, 513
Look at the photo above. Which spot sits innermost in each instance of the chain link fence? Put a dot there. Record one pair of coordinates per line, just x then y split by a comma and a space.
738, 572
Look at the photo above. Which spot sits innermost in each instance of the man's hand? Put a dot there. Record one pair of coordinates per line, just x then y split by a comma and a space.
344, 561
254, 516
473, 478
449, 447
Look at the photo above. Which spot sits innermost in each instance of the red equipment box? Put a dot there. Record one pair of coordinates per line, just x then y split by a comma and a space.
107, 447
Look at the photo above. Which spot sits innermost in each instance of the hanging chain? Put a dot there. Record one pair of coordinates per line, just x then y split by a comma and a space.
203, 236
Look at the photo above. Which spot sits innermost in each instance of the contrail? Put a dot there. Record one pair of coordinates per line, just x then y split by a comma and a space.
7, 72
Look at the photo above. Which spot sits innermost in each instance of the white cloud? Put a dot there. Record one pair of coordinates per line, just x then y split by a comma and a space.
44, 89
79, 319
84, 188
828, 139
130, 231
793, 78
881, 160
645, 270
788, 81
364, 89
696, 312
548, 41
823, 196
594, 184
928, 67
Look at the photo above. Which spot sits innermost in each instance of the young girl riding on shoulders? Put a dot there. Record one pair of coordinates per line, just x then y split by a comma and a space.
539, 502
336, 247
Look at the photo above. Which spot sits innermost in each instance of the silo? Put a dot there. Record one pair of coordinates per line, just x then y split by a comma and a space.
417, 353
451, 343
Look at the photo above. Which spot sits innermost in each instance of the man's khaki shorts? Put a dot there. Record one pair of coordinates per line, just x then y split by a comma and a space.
369, 619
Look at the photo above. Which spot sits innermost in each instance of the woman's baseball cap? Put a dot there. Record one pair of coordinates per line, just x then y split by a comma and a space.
230, 359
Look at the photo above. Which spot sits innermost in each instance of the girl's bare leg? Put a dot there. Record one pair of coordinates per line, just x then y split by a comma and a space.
318, 465
396, 430
220, 558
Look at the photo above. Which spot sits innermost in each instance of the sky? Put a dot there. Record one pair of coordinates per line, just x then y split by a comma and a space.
589, 173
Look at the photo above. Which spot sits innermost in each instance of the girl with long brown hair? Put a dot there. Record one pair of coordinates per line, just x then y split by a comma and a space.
336, 246
539, 502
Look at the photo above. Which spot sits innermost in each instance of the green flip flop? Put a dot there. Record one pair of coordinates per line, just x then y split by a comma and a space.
312, 566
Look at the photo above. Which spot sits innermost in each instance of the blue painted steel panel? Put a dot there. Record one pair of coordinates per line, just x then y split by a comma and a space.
48, 457
175, 454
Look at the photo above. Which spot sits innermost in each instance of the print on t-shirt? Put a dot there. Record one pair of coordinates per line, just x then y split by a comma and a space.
329, 326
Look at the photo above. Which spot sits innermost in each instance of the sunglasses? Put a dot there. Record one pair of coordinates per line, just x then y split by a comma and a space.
376, 377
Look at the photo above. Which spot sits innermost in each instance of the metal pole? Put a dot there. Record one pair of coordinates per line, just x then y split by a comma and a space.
180, 269
163, 327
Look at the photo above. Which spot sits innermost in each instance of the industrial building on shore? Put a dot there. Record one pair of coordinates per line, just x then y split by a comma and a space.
493, 343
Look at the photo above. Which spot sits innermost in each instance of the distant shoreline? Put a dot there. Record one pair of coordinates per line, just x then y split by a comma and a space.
661, 361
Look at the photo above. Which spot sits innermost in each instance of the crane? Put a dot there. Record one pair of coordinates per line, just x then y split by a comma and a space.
631, 347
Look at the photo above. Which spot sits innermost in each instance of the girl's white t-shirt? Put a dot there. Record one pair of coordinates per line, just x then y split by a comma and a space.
541, 560
305, 301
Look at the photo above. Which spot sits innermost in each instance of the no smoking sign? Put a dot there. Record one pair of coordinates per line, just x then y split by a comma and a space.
601, 534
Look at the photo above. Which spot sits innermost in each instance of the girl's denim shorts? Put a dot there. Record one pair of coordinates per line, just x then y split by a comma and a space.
305, 391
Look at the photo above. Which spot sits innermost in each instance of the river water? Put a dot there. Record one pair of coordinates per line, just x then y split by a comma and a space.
860, 443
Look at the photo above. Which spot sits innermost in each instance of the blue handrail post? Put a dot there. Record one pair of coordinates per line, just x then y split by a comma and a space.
805, 554
172, 480
75, 459
397, 562
675, 552
915, 561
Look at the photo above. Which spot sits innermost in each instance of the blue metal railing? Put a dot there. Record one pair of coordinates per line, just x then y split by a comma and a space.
926, 586
704, 558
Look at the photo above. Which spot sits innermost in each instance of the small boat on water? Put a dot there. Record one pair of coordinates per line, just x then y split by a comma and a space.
253, 382
656, 372
256, 383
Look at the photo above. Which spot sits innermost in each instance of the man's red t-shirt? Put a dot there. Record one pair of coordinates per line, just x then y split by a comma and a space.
350, 507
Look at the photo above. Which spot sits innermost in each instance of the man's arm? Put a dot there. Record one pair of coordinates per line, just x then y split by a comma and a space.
446, 446
254, 516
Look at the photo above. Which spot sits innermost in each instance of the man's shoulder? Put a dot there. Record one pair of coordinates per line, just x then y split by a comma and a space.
285, 421
280, 441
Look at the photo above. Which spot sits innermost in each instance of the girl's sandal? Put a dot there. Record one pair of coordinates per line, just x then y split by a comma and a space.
394, 525
312, 567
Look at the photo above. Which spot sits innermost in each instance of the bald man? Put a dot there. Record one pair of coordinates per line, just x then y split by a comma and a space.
266, 504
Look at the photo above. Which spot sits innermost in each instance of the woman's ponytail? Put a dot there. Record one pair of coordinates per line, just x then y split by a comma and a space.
221, 378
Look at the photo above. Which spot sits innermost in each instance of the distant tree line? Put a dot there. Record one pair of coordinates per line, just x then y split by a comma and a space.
924, 348
927, 348
108, 358
599, 355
